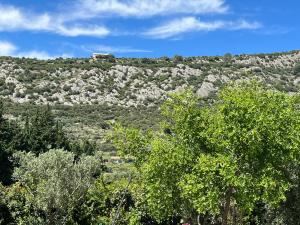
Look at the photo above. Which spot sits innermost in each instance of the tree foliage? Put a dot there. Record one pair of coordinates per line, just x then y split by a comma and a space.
54, 184
41, 132
218, 161
38, 133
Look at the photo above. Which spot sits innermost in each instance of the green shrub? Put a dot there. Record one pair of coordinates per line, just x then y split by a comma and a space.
56, 183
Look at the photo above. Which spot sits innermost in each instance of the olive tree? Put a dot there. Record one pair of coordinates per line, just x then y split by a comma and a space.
213, 163
55, 182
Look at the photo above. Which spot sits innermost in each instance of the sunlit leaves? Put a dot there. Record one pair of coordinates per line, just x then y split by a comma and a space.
206, 158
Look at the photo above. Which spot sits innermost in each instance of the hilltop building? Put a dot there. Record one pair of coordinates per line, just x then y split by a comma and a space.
102, 56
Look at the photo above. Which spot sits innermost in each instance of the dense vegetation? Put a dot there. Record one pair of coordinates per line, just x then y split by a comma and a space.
234, 160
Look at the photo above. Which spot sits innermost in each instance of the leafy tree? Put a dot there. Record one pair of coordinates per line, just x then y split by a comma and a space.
289, 212
105, 200
16, 210
217, 162
54, 183
42, 132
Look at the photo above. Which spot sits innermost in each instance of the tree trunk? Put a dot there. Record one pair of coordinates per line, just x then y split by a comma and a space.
226, 207
203, 220
235, 216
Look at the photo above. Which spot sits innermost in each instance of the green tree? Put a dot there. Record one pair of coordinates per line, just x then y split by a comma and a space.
55, 183
42, 132
216, 162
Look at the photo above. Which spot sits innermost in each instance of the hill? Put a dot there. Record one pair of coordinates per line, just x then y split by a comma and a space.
85, 93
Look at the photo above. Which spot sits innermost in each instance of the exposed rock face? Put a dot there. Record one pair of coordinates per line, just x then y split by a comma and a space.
128, 83
205, 89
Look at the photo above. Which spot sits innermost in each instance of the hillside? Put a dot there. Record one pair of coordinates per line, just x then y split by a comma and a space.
86, 94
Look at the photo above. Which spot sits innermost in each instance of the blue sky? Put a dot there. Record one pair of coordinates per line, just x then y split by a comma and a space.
147, 28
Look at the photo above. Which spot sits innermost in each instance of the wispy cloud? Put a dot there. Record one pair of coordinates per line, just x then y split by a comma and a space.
14, 19
113, 49
96, 31
10, 49
147, 8
191, 24
242, 25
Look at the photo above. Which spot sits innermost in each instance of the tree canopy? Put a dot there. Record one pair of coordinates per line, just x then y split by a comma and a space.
216, 162
51, 186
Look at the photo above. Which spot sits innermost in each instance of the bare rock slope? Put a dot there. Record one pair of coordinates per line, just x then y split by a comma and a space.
137, 82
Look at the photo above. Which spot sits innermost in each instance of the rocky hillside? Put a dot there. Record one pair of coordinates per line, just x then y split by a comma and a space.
86, 95
137, 82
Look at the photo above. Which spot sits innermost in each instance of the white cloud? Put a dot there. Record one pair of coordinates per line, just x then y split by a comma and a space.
179, 26
147, 8
7, 48
192, 24
114, 49
12, 19
73, 22
96, 31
